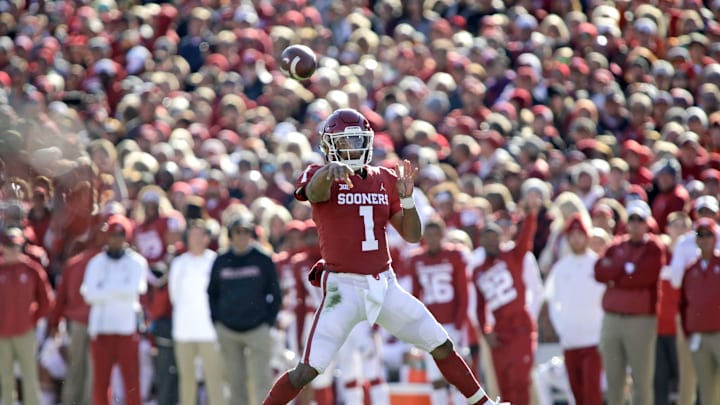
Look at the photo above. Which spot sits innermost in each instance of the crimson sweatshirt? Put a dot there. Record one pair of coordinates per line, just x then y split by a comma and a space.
631, 271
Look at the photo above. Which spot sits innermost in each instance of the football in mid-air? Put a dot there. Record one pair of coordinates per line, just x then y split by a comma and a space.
298, 62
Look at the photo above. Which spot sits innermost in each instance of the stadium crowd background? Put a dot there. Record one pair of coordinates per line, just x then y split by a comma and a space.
102, 101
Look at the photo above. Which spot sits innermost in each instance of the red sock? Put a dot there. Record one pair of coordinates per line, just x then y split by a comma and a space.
366, 393
457, 373
324, 396
282, 392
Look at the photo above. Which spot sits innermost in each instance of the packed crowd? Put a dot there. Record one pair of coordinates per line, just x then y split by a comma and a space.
150, 120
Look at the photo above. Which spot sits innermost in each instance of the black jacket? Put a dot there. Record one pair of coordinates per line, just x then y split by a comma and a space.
244, 291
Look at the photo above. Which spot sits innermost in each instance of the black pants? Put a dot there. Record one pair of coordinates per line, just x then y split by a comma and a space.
666, 369
166, 373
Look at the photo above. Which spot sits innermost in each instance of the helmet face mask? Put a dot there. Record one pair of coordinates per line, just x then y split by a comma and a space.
348, 138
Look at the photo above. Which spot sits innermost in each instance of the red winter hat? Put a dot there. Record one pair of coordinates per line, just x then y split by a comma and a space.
576, 223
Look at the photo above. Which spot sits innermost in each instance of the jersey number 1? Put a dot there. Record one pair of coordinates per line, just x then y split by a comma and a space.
369, 243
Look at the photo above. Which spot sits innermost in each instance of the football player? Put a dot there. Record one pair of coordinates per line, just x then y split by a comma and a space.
353, 202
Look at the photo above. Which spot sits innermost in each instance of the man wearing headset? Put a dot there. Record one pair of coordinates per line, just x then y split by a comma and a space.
245, 298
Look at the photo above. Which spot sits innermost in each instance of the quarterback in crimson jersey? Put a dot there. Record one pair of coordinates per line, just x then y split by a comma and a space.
353, 203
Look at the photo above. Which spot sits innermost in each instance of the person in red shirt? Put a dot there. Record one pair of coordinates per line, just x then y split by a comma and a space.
39, 215
25, 297
637, 157
308, 300
292, 245
71, 306
630, 268
498, 279
700, 311
353, 203
668, 361
671, 195
155, 238
439, 274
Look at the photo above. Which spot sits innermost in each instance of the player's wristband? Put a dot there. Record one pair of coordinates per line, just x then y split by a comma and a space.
407, 203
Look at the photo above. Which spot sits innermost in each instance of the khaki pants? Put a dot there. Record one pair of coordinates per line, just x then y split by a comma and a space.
209, 353
246, 356
23, 349
687, 379
77, 387
629, 340
707, 366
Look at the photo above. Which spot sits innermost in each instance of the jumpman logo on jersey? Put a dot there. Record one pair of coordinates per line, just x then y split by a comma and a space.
382, 187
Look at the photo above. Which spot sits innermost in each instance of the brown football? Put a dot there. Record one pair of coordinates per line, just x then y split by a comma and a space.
298, 62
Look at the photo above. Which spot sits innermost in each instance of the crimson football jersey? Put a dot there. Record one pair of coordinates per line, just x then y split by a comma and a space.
351, 224
500, 286
440, 282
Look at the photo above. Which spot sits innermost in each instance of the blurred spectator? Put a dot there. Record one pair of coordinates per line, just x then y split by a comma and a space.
26, 298
284, 261
671, 196
309, 299
670, 362
245, 299
574, 301
193, 332
71, 307
155, 237
113, 282
684, 253
698, 307
564, 207
630, 269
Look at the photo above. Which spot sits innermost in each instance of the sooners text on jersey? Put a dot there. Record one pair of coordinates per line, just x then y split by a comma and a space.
351, 224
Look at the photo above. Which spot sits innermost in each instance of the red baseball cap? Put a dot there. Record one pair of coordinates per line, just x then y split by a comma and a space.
707, 224
119, 224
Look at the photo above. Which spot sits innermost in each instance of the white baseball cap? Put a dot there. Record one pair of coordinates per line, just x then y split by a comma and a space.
707, 201
639, 208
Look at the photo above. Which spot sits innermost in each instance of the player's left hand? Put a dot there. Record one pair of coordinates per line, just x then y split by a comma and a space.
406, 174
